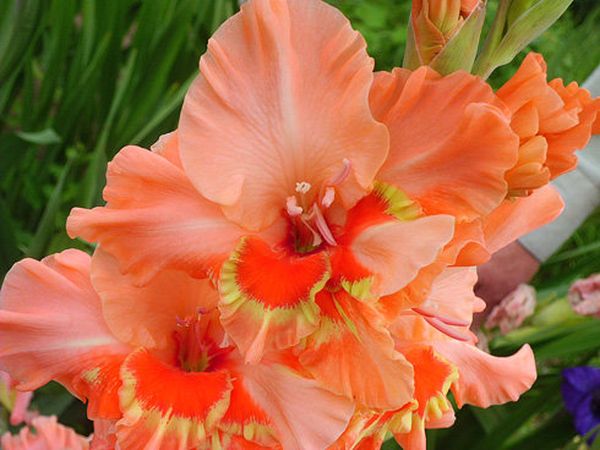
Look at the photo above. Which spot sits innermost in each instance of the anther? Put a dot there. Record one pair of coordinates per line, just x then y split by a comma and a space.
328, 198
291, 205
303, 187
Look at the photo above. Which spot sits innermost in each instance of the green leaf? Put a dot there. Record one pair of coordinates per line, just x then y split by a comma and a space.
43, 137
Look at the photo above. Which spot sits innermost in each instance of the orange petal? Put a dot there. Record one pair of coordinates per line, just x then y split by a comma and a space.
351, 335
167, 146
433, 377
396, 251
267, 296
513, 219
485, 380
562, 145
165, 408
284, 396
282, 98
146, 316
438, 128
155, 219
51, 324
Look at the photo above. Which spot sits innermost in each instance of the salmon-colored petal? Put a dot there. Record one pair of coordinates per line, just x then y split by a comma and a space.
166, 408
146, 316
51, 323
48, 435
167, 146
451, 141
413, 440
395, 251
284, 396
155, 219
530, 172
104, 437
351, 335
282, 98
451, 297
485, 380
267, 296
515, 218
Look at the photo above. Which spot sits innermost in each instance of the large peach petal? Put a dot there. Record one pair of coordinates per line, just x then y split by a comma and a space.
282, 98
155, 219
146, 316
51, 323
451, 141
396, 251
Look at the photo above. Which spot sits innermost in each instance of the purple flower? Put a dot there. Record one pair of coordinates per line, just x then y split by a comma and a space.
581, 395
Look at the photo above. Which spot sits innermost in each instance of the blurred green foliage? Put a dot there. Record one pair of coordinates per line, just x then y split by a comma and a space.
79, 79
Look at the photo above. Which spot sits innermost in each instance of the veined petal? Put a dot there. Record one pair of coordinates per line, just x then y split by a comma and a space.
395, 251
155, 219
51, 324
267, 296
165, 408
282, 97
146, 316
284, 395
351, 335
451, 140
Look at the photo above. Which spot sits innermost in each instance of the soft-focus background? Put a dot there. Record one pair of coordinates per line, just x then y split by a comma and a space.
79, 79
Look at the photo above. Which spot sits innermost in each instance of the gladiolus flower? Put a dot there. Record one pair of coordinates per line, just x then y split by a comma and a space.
301, 239
45, 433
552, 121
154, 359
512, 311
581, 394
584, 296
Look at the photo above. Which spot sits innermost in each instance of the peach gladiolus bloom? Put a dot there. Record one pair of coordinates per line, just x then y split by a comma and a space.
584, 296
154, 360
298, 240
48, 435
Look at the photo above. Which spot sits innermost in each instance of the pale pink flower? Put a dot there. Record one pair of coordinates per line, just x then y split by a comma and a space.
512, 311
584, 296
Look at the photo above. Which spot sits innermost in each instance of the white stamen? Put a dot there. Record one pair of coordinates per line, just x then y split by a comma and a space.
303, 187
292, 207
329, 197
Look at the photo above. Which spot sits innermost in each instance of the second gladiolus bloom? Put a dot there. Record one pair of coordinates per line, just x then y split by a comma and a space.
293, 267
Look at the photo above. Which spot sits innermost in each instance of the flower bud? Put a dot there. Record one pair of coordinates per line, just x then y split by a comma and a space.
512, 311
584, 296
444, 34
